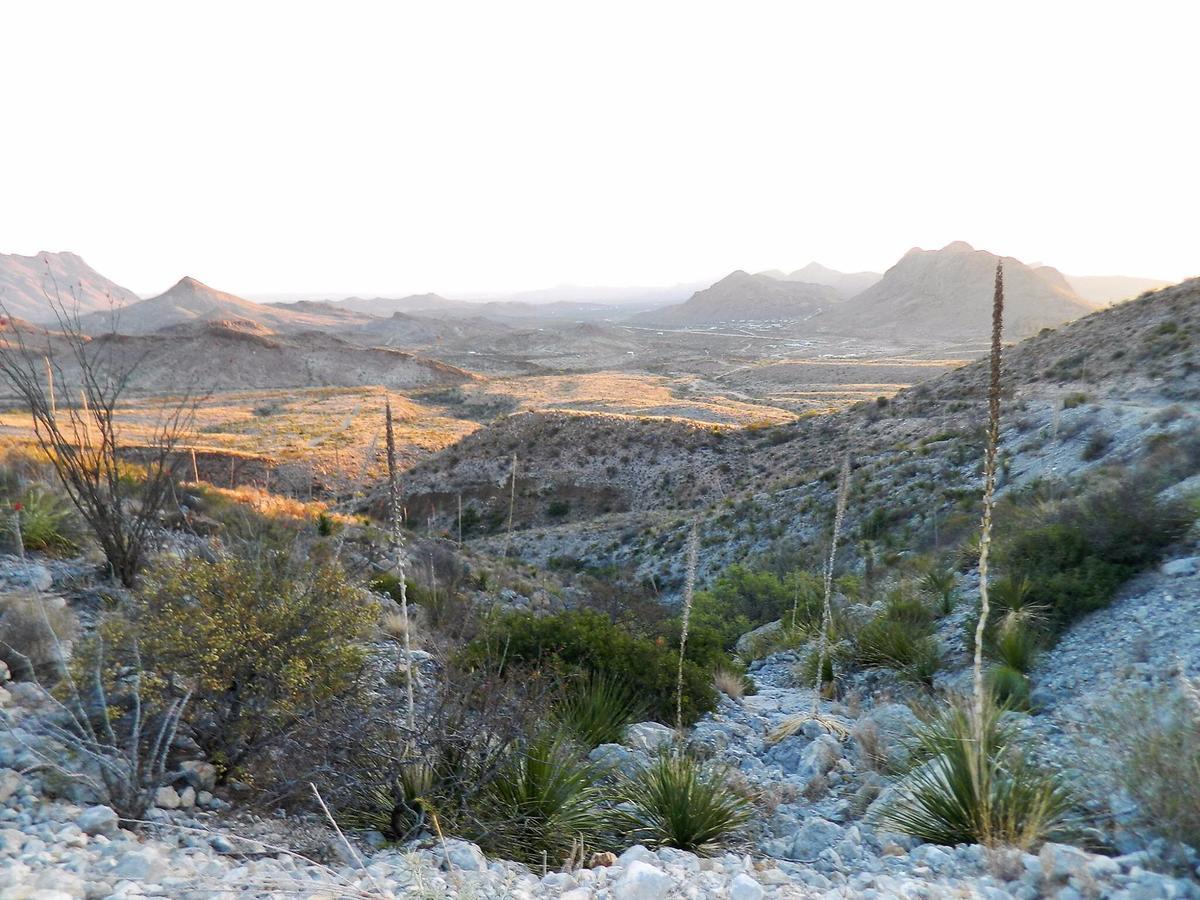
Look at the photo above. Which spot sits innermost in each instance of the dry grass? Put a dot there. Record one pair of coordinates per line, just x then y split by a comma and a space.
731, 684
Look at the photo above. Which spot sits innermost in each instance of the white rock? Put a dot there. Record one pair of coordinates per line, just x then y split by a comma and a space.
464, 855
166, 797
1177, 568
642, 881
743, 887
98, 820
1061, 861
187, 797
200, 775
648, 736
10, 783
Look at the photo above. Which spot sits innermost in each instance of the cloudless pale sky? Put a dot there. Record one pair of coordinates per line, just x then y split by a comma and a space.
464, 147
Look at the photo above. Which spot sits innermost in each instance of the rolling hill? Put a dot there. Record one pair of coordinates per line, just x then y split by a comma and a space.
848, 284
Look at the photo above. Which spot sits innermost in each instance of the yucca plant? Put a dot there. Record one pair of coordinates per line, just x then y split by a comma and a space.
1014, 644
1009, 686
971, 791
544, 799
595, 709
942, 586
400, 809
677, 801
47, 522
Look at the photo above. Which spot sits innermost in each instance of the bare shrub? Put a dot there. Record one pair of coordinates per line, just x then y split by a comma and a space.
1152, 754
82, 440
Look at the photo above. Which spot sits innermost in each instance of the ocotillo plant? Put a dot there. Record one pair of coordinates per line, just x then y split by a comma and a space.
689, 590
397, 535
989, 490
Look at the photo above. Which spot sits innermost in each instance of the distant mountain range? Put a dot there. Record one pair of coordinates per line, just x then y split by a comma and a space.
928, 296
741, 296
31, 286
190, 301
847, 284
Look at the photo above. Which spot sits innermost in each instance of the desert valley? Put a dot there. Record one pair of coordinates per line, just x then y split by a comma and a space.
573, 451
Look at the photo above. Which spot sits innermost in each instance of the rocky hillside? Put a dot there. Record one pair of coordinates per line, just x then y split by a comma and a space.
571, 467
26, 283
946, 295
239, 355
190, 301
740, 297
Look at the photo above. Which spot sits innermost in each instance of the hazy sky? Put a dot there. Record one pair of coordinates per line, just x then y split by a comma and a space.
398, 147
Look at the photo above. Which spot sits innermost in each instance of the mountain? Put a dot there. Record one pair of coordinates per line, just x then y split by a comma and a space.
741, 296
192, 301
848, 284
946, 295
430, 304
404, 330
1104, 289
27, 281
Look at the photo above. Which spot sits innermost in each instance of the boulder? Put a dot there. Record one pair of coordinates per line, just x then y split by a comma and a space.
814, 836
749, 644
1061, 861
743, 887
648, 736
98, 820
642, 881
1181, 568
166, 797
199, 774
463, 855
10, 783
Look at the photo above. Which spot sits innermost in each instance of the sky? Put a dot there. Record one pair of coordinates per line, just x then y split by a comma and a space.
464, 147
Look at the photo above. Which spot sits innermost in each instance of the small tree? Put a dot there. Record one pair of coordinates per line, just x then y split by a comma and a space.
82, 440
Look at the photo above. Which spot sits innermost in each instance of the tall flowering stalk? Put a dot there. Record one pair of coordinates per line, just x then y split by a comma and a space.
397, 535
989, 490
689, 591
839, 517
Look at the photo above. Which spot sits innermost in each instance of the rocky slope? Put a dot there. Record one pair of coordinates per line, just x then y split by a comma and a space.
30, 285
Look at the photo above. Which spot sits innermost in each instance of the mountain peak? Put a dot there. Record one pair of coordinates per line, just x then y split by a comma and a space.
191, 284
957, 247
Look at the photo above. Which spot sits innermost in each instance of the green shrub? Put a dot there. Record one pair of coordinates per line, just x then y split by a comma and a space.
595, 709
1074, 399
962, 791
263, 643
676, 801
588, 643
543, 799
1013, 644
900, 638
942, 586
1074, 563
1009, 687
742, 599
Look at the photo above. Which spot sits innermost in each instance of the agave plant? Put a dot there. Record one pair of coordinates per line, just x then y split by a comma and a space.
677, 801
975, 791
595, 709
542, 803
